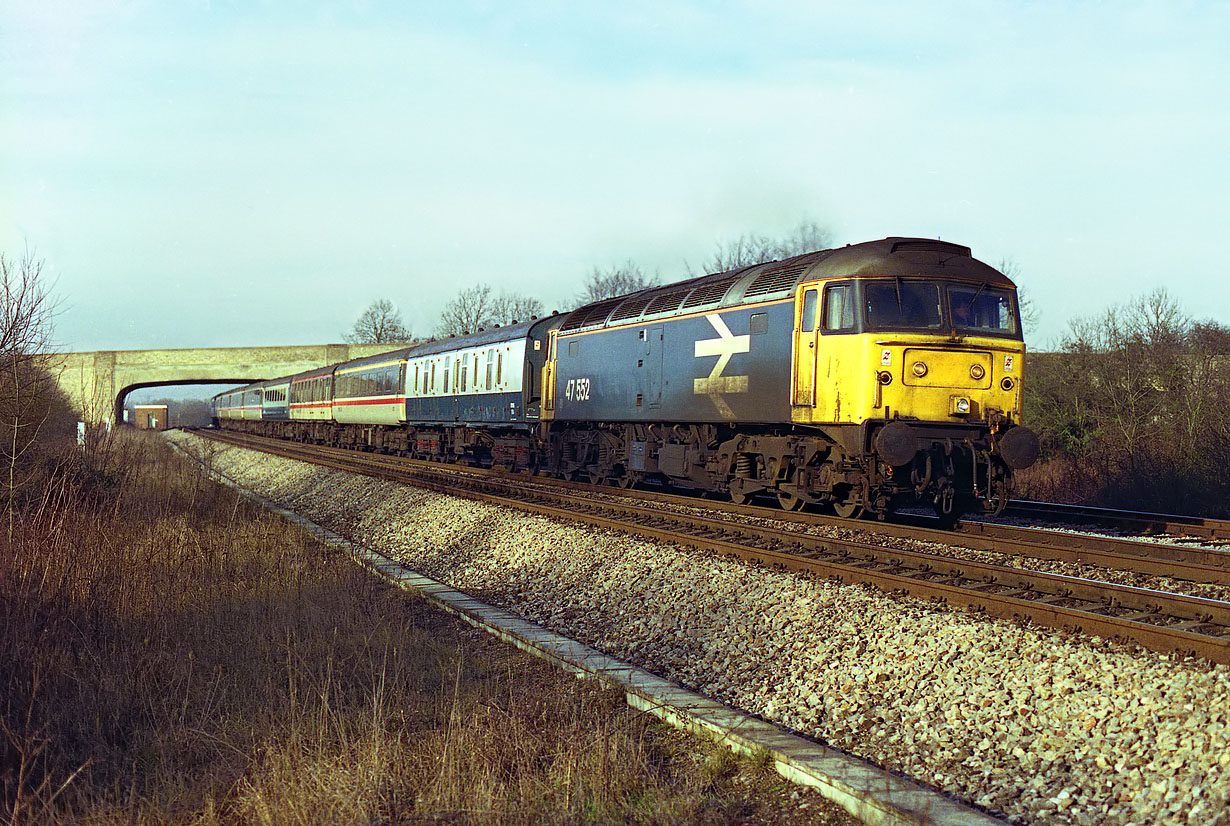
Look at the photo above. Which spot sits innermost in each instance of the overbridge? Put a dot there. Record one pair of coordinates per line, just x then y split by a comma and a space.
97, 382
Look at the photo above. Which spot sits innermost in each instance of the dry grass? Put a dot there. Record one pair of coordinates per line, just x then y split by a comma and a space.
170, 654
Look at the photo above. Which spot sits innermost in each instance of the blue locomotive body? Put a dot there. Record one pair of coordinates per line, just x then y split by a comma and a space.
724, 365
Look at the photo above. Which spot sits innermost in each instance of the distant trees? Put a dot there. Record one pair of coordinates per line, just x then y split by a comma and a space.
1132, 410
744, 251
617, 280
750, 248
479, 308
380, 323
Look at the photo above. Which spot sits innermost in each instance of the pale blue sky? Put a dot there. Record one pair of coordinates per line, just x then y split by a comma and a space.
243, 173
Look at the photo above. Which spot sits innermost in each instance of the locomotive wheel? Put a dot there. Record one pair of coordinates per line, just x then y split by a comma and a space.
848, 510
625, 481
741, 492
789, 501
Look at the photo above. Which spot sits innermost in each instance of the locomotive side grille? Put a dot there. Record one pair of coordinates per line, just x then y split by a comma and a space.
710, 293
775, 280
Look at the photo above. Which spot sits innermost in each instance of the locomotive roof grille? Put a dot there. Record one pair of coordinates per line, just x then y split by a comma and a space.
631, 308
930, 246
710, 293
595, 314
775, 280
667, 302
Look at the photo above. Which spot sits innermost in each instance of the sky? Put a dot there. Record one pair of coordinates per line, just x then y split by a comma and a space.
199, 174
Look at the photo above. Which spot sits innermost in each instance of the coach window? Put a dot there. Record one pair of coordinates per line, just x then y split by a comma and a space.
838, 308
499, 368
808, 322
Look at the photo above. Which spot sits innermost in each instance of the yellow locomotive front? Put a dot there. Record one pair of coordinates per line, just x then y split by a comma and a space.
910, 358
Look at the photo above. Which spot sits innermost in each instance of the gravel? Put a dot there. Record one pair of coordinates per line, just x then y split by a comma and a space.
1031, 724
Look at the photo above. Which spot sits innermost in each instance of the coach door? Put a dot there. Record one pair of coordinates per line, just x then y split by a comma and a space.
806, 314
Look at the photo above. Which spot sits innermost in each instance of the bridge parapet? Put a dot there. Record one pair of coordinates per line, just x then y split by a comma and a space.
97, 382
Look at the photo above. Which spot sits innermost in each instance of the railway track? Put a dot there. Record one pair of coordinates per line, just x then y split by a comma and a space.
1136, 522
1157, 620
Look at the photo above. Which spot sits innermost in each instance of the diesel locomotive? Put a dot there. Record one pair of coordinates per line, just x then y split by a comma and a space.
863, 378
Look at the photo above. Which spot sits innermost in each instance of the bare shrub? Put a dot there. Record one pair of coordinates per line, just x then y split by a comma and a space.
1130, 411
172, 654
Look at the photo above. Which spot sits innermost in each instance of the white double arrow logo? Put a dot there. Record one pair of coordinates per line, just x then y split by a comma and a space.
724, 346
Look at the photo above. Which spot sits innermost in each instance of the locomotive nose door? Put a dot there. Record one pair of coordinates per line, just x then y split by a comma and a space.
806, 313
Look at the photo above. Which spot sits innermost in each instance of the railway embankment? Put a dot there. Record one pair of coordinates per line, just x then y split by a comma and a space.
1033, 724
173, 654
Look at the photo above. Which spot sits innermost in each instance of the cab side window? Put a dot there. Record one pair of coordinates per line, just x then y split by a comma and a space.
808, 322
838, 308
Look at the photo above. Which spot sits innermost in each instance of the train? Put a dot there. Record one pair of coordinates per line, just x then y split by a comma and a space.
863, 379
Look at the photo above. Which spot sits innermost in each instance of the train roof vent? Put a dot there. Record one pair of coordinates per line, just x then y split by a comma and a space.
709, 293
590, 315
775, 280
926, 245
631, 308
666, 302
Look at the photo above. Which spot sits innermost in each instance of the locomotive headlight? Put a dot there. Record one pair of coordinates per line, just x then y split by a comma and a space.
960, 405
1007, 383
976, 371
919, 369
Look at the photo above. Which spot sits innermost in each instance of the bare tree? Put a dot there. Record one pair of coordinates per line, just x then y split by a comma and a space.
510, 308
469, 311
617, 280
380, 323
1134, 406
749, 248
26, 312
1024, 300
478, 308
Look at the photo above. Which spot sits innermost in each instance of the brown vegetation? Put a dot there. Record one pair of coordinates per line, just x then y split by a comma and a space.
1132, 412
173, 654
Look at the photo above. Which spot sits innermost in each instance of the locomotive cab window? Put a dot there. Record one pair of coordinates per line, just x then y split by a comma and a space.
898, 304
808, 322
838, 308
982, 309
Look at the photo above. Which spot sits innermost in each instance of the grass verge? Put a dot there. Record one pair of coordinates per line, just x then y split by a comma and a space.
171, 654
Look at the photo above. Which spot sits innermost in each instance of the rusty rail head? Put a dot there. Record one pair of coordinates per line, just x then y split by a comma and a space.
1178, 624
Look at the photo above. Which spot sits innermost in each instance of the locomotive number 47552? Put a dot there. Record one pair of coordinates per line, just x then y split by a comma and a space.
577, 390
